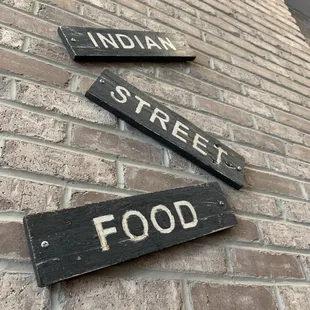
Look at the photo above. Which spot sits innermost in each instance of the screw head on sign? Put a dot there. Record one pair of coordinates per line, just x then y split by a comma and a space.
73, 40
101, 81
239, 168
45, 244
221, 203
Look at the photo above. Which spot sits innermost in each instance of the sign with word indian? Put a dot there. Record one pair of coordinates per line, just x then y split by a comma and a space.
110, 44
154, 119
67, 243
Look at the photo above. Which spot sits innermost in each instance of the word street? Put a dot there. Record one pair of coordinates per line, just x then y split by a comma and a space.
69, 242
156, 120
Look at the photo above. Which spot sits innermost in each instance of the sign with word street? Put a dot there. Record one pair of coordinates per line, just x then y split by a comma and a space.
67, 243
154, 119
121, 45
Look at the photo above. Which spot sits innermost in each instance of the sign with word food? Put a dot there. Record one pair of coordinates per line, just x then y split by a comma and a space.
70, 242
154, 119
111, 44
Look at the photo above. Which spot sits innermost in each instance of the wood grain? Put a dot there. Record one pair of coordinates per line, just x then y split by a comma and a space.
74, 245
190, 142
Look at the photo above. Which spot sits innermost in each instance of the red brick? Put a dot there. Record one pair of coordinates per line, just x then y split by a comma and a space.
25, 5
5, 88
152, 181
295, 297
31, 23
158, 88
175, 23
252, 156
139, 7
13, 244
221, 296
272, 183
61, 17
31, 124
70, 5
246, 103
187, 257
286, 235
20, 291
38, 70
295, 210
115, 144
279, 130
299, 152
53, 100
188, 83
267, 98
289, 166
265, 264
249, 202
26, 196
223, 110
212, 77
292, 121
82, 198
258, 139
245, 231
89, 291
205, 122
59, 163
11, 38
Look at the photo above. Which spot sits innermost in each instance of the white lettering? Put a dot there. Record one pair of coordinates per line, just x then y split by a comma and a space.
161, 119
197, 142
155, 223
122, 91
144, 223
150, 42
103, 40
102, 233
166, 44
187, 204
177, 129
139, 42
131, 43
141, 104
219, 155
92, 39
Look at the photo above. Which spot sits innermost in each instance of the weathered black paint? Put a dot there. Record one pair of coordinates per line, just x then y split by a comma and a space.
74, 247
85, 44
231, 167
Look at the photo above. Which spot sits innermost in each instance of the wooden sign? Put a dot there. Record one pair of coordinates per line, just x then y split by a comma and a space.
70, 242
154, 119
111, 44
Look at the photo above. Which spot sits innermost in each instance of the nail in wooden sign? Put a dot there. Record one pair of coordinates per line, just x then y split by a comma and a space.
67, 243
154, 119
111, 44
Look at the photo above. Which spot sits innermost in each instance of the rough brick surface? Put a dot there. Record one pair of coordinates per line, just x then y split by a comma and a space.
21, 292
264, 264
13, 242
118, 293
248, 86
26, 196
216, 296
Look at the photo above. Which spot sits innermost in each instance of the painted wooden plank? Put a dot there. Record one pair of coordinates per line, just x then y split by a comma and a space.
154, 119
123, 45
67, 243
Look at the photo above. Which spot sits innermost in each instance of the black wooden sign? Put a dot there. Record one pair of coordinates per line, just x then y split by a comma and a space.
70, 242
154, 119
111, 44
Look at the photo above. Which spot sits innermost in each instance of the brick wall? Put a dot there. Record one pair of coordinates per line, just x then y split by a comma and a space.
249, 86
